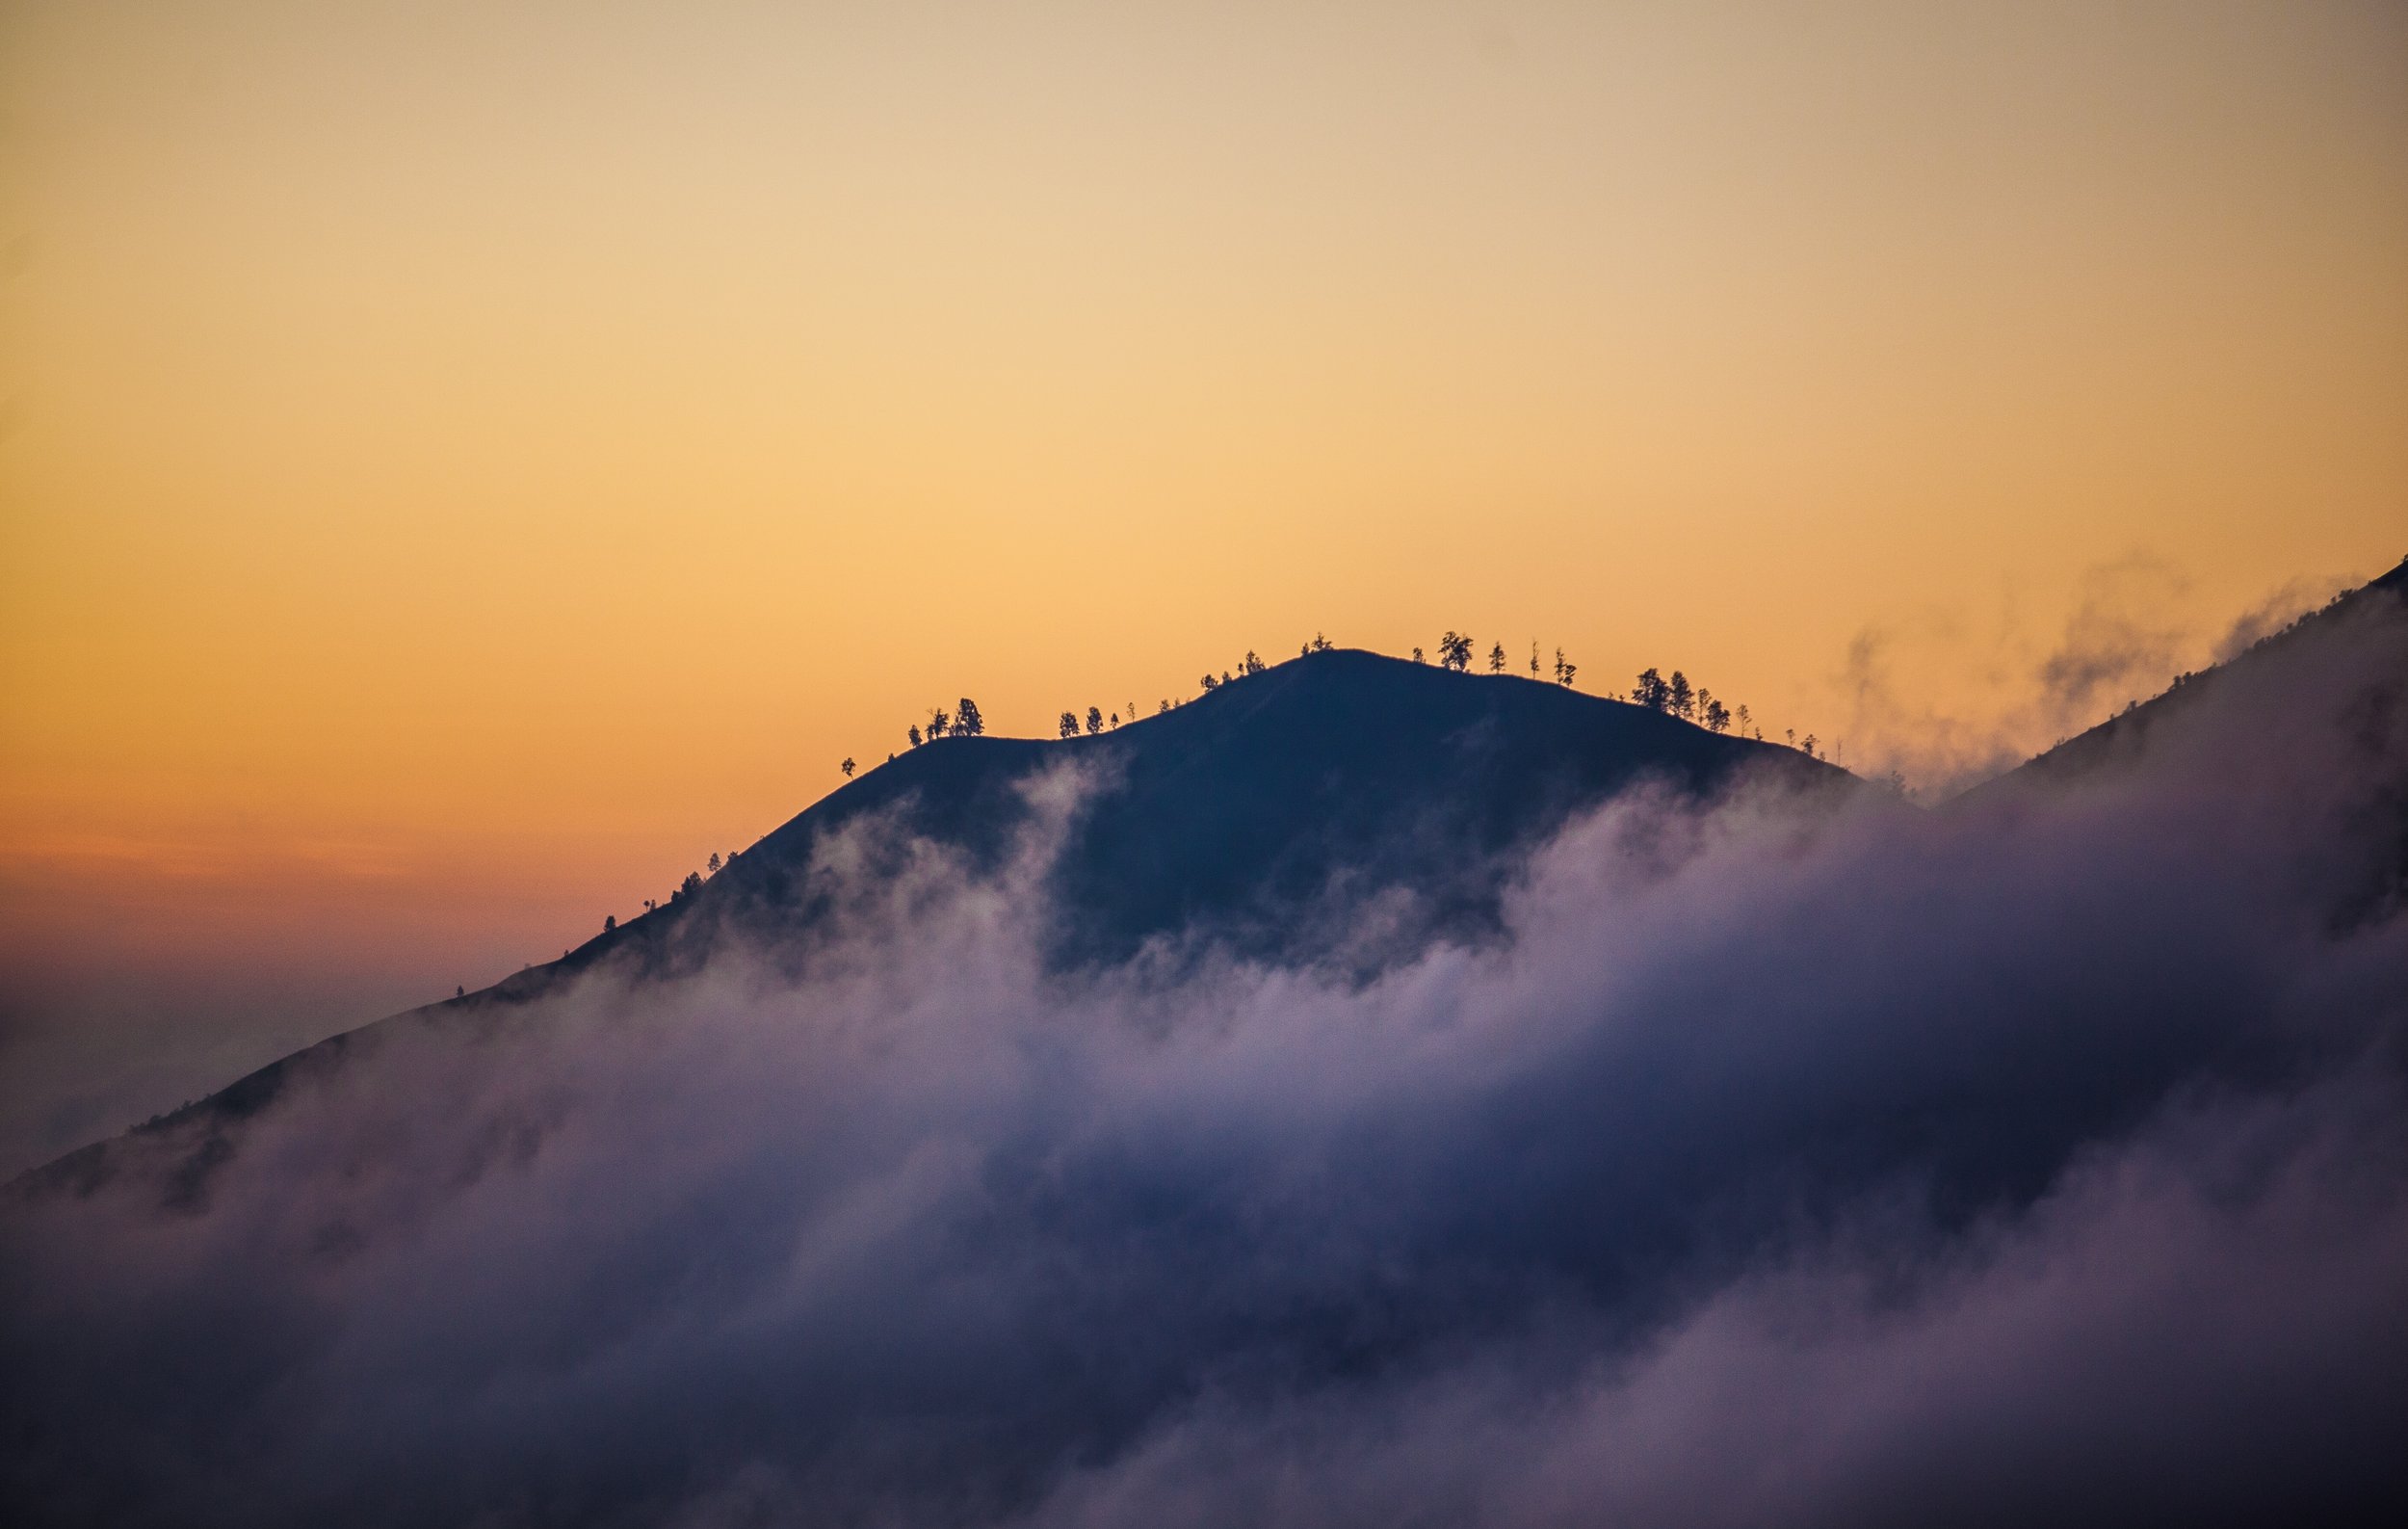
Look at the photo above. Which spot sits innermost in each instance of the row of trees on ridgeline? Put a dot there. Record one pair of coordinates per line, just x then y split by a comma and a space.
1675, 696
1454, 652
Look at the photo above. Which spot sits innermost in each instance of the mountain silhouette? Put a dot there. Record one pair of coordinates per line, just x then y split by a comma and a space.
1255, 821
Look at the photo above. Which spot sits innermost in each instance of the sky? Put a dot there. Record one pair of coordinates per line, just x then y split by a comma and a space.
462, 465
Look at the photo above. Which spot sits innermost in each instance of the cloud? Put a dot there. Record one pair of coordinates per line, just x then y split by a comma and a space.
1785, 1165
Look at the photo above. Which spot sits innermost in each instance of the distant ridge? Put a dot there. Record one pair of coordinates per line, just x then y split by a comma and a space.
2119, 738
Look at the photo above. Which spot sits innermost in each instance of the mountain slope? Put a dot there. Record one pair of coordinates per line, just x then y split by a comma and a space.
2121, 740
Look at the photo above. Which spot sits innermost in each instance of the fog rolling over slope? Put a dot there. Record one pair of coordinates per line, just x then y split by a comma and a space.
1368, 1096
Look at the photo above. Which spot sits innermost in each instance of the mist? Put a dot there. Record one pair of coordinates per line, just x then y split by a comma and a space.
1782, 1161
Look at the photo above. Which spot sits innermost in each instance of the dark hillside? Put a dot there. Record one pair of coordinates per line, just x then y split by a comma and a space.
1340, 774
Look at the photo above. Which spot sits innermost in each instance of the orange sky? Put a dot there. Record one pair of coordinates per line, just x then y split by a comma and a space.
461, 463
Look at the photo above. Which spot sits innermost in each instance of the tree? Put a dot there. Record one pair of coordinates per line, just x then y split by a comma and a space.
1564, 671
1496, 659
966, 719
1163, 707
1094, 720
1113, 720
915, 737
1210, 683
1070, 724
1319, 644
1417, 656
1650, 691
610, 923
1455, 651
1251, 665
1682, 701
939, 722
1742, 718
846, 767
713, 865
1534, 658
1717, 715
693, 883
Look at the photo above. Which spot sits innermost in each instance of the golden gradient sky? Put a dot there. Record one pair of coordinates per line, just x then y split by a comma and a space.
461, 463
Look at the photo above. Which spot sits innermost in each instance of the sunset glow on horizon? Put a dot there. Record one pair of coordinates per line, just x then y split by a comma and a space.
461, 465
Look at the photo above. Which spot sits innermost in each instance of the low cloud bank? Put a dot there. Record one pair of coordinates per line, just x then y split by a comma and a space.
2038, 1157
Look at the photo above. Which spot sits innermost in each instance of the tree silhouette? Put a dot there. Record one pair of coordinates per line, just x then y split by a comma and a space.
939, 722
1251, 665
1319, 644
846, 767
966, 719
1070, 724
1742, 718
1651, 692
1417, 656
1681, 700
1455, 651
713, 864
1210, 683
914, 735
610, 923
1094, 720
1113, 720
1717, 715
1565, 669
1534, 658
1496, 659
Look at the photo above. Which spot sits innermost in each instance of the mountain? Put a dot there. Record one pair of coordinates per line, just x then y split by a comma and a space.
1257, 820
1294, 1110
